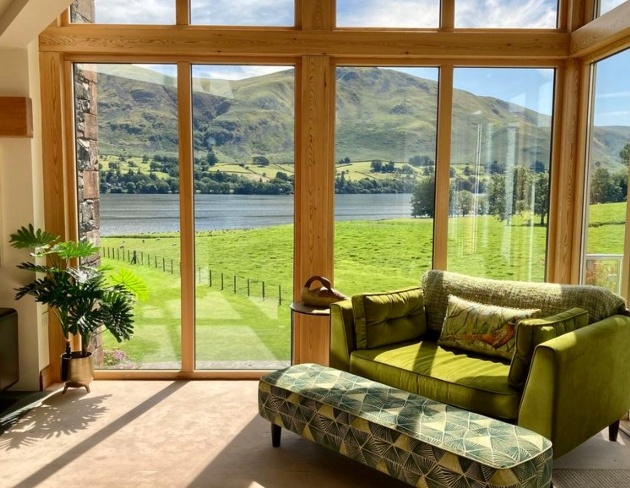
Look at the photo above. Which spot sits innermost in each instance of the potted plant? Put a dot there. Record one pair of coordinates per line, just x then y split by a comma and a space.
85, 298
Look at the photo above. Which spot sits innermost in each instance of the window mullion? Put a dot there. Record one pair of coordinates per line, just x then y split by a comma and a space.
187, 231
442, 167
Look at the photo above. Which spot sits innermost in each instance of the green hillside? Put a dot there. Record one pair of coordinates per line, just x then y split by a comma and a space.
381, 114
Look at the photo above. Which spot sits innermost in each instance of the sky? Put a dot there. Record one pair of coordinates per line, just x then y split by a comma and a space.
530, 87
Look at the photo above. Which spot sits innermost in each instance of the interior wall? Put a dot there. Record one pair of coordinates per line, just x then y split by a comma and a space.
20, 204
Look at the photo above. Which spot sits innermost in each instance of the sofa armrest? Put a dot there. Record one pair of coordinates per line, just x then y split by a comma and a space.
578, 383
342, 339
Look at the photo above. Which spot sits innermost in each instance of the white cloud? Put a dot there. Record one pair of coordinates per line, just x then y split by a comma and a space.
243, 12
134, 12
234, 72
539, 14
394, 13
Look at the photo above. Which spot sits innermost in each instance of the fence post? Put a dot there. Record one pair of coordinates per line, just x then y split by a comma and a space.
263, 290
209, 277
221, 281
248, 287
134, 259
279, 294
235, 284
164, 264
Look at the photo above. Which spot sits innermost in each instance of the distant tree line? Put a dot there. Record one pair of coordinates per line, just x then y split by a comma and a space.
502, 194
470, 193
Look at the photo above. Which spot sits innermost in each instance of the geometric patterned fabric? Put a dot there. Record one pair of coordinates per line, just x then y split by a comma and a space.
414, 439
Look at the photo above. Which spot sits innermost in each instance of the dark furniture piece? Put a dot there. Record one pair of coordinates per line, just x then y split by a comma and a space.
9, 360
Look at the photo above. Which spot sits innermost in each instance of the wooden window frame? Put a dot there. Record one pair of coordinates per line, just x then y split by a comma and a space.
315, 46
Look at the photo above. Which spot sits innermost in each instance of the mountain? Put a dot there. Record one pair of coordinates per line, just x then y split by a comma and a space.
381, 114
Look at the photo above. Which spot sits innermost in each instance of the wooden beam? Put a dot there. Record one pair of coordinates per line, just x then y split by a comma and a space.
566, 183
187, 215
612, 28
16, 119
442, 168
314, 198
204, 41
53, 161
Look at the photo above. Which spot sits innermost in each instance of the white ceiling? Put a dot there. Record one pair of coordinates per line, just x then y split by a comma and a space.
21, 21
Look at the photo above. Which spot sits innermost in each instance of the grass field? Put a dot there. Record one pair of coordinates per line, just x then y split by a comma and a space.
235, 323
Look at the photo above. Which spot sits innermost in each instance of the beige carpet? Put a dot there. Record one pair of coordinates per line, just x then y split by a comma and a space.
197, 434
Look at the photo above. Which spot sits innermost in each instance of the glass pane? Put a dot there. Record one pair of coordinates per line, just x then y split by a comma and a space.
127, 154
398, 13
385, 177
608, 172
607, 5
500, 157
124, 12
243, 12
506, 14
243, 119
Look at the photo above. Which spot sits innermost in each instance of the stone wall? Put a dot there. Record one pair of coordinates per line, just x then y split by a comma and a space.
86, 122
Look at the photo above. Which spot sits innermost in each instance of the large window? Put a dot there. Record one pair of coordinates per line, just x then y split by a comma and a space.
263, 110
127, 162
607, 190
384, 176
500, 162
244, 171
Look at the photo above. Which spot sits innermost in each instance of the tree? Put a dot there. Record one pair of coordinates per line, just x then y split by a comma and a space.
603, 187
497, 168
463, 203
423, 198
260, 160
624, 154
376, 166
420, 161
541, 198
211, 158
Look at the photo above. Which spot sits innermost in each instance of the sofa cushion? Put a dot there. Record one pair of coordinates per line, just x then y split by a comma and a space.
388, 317
474, 383
485, 329
551, 298
531, 332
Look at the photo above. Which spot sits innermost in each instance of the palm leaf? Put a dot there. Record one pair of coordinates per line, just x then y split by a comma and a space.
131, 282
71, 249
28, 237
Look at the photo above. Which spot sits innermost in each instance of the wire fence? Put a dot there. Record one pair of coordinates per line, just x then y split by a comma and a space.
204, 275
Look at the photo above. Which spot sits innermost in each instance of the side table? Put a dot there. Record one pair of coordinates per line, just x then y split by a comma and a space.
306, 337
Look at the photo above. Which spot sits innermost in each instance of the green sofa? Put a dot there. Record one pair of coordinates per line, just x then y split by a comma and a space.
564, 372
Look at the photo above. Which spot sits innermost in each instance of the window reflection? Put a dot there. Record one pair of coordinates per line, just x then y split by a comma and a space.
500, 162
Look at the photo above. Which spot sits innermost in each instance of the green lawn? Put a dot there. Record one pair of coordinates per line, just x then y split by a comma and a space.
369, 256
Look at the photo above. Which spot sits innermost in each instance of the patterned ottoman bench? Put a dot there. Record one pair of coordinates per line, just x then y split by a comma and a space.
419, 441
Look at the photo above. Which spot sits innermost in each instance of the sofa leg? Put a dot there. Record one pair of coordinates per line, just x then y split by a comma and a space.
613, 430
276, 430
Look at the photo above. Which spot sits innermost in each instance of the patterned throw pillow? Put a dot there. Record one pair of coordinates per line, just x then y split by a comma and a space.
388, 317
531, 332
480, 328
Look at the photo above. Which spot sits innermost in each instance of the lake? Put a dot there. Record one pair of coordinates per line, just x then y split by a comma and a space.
135, 214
